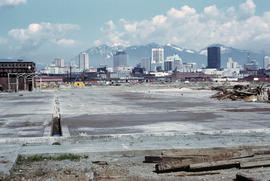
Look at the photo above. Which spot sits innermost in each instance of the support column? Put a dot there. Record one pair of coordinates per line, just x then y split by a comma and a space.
24, 81
17, 83
8, 83
40, 81
33, 83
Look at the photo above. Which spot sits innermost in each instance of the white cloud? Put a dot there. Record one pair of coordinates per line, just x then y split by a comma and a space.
37, 34
3, 40
11, 2
211, 11
66, 42
97, 42
185, 11
159, 20
247, 9
234, 26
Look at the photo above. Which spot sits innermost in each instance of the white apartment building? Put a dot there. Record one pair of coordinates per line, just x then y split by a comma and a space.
266, 63
83, 62
157, 58
59, 62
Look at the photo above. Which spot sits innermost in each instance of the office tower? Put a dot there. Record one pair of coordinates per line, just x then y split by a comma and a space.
168, 65
213, 57
83, 62
157, 61
231, 64
59, 62
120, 59
251, 65
266, 63
146, 64
177, 62
189, 67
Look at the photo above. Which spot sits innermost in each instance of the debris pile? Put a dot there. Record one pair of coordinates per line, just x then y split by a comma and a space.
209, 161
242, 92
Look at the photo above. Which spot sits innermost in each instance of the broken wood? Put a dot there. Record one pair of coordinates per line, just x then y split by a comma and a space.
189, 159
255, 164
218, 165
152, 159
100, 162
171, 166
245, 177
241, 92
197, 174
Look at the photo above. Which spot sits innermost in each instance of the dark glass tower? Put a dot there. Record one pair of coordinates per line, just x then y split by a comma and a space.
120, 59
213, 57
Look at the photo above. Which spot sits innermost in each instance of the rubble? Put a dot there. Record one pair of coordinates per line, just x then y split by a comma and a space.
242, 92
212, 161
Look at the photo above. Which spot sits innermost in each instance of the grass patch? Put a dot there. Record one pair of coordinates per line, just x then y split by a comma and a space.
36, 158
69, 156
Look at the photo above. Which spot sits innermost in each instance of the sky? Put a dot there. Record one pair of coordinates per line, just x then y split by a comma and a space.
41, 30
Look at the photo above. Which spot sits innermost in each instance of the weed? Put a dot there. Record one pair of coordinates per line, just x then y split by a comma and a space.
36, 158
66, 157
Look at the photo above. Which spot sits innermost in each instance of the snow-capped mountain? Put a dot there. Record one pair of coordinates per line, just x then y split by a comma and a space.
104, 54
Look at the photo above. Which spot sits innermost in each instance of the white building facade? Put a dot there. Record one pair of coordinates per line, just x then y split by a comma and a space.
157, 61
266, 63
83, 62
146, 64
59, 62
177, 63
231, 64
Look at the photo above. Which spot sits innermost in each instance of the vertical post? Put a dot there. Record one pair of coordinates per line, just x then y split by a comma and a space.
70, 74
17, 83
33, 83
24, 80
40, 81
8, 83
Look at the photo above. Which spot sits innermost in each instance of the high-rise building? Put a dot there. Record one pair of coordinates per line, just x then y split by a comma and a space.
189, 67
266, 63
213, 57
59, 62
168, 65
83, 62
231, 64
146, 64
177, 62
251, 65
157, 61
120, 59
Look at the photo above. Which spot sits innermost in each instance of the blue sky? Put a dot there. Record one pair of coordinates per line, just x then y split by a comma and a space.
44, 29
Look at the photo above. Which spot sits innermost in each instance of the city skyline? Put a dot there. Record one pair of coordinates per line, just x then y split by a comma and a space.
64, 32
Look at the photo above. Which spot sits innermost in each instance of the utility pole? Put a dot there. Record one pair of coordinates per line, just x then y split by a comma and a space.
70, 69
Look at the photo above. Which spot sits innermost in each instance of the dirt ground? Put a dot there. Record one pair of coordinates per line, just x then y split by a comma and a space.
118, 166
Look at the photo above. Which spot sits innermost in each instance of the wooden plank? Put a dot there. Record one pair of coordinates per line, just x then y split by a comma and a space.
245, 177
255, 164
197, 174
213, 154
245, 153
171, 166
218, 165
187, 159
152, 159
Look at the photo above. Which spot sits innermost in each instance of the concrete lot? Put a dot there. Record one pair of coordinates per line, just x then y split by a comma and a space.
113, 119
25, 114
124, 110
148, 109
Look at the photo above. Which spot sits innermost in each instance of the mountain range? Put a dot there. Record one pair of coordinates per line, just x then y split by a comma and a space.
103, 54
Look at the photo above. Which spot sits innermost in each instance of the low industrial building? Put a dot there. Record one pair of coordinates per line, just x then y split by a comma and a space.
191, 76
16, 75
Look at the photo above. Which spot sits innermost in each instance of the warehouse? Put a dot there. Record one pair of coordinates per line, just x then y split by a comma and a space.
16, 75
